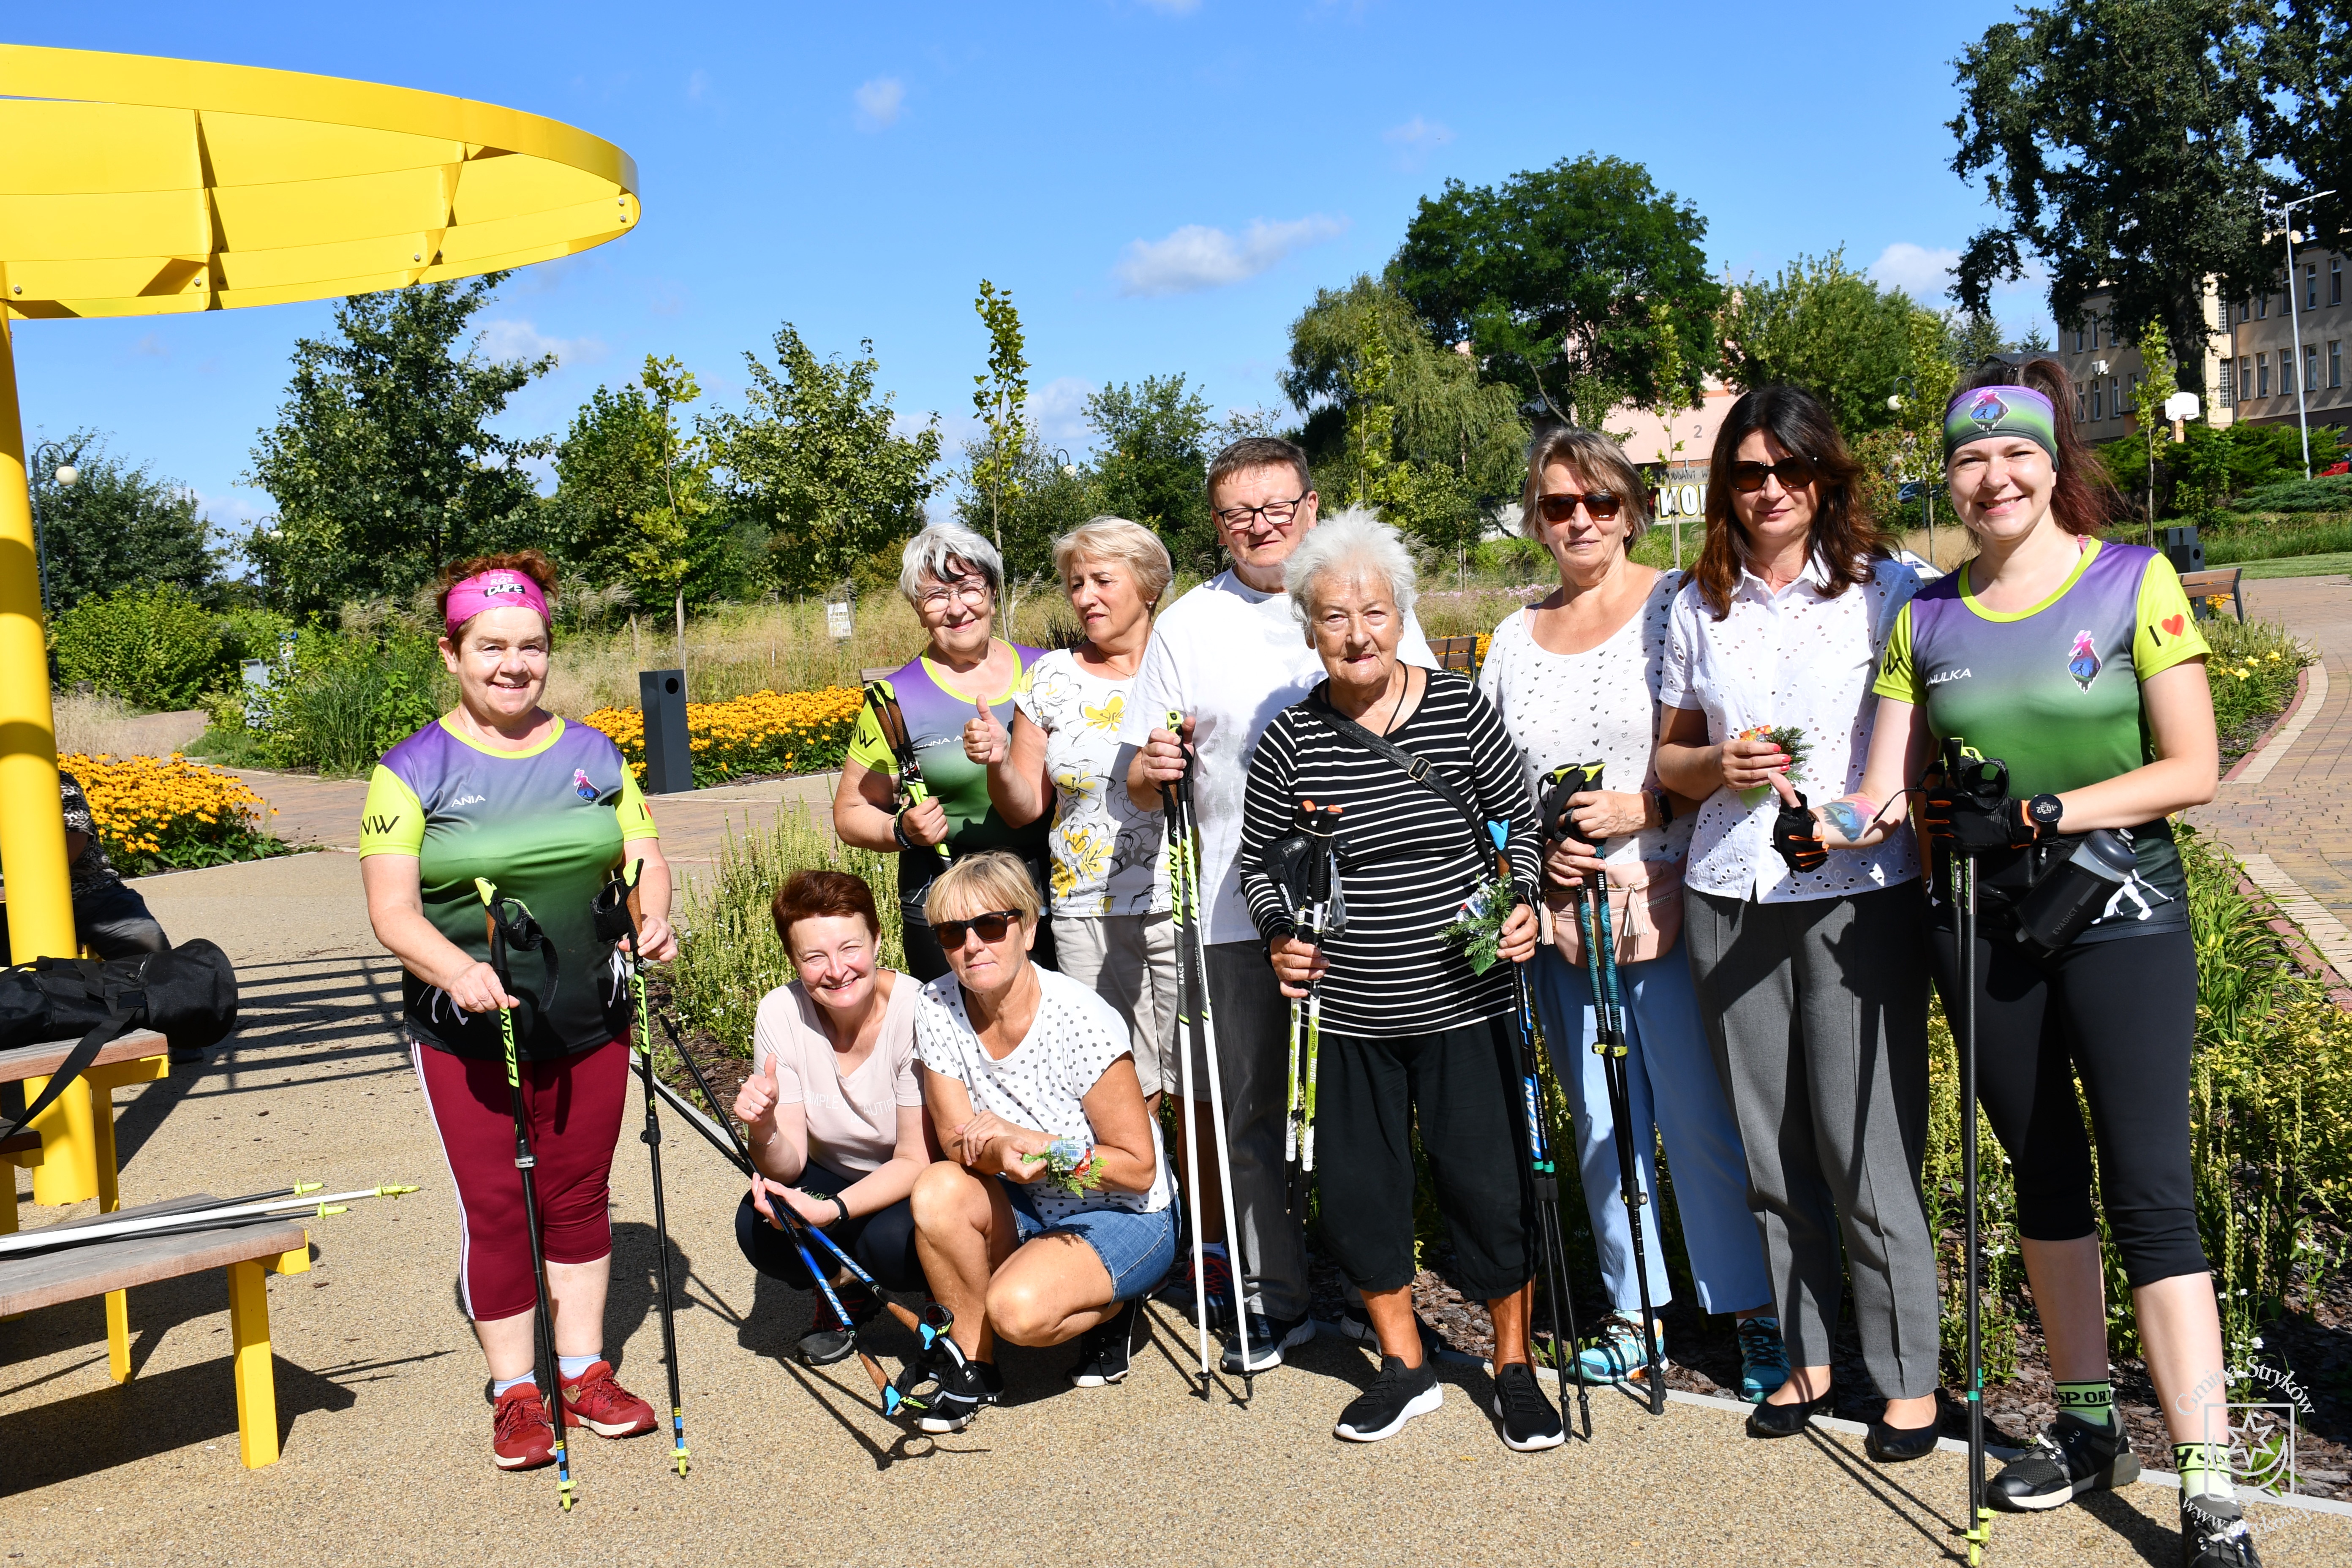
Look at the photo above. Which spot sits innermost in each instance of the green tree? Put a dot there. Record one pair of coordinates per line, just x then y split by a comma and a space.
2157, 383
382, 462
2116, 137
1044, 499
1152, 464
1973, 337
816, 459
1000, 398
1831, 330
1551, 276
153, 647
2307, 55
117, 526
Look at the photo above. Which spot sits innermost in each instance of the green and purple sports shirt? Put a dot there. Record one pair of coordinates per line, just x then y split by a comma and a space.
547, 826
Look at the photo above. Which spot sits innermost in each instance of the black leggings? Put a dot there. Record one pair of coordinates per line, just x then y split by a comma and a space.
1460, 1089
2122, 1014
883, 1242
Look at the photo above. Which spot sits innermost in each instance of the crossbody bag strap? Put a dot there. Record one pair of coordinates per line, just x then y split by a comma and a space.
1415, 768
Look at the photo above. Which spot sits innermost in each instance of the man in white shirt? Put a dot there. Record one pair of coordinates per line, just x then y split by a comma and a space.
1229, 656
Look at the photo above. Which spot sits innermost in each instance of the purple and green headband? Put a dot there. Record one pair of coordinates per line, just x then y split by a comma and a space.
2000, 411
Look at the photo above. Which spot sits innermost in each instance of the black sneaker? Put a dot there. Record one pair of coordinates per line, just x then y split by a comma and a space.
1268, 1338
2213, 1534
829, 1338
1529, 1422
1105, 1348
963, 1388
2071, 1457
1395, 1397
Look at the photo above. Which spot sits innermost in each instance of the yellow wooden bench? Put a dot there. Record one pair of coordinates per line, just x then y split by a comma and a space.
251, 1252
2208, 590
1457, 653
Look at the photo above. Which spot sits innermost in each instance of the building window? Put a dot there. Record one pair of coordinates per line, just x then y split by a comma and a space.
2261, 307
2225, 385
2114, 397
2245, 377
2097, 405
2082, 406
2287, 372
2310, 286
2311, 368
2335, 361
2262, 375
2336, 280
2078, 339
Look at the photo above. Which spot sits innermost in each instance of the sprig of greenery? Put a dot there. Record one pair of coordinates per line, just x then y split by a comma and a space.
1069, 1164
1479, 925
1791, 739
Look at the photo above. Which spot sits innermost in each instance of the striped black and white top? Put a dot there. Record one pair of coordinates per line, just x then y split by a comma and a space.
1406, 858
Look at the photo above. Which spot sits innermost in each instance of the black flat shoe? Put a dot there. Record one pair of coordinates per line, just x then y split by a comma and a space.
1898, 1445
1768, 1420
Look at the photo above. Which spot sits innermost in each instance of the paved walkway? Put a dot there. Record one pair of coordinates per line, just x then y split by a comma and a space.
380, 1389
2288, 814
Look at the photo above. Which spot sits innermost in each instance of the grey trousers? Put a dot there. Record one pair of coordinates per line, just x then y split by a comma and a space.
1252, 1024
1818, 1014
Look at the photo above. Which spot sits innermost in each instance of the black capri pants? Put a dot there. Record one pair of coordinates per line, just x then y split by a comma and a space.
883, 1242
1461, 1087
2121, 1014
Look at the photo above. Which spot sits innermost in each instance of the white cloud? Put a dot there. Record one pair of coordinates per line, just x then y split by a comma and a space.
513, 339
1418, 134
880, 102
1197, 257
1172, 8
234, 511
697, 84
1057, 412
1925, 275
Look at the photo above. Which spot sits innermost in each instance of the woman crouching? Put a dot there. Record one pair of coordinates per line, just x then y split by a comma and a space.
1050, 1214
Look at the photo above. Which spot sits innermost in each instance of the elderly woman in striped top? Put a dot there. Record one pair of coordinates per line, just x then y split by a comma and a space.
1413, 1034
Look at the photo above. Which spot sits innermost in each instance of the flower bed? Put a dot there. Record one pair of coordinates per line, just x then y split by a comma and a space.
762, 732
168, 813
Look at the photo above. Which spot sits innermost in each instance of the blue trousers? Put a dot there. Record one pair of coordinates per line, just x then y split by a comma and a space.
1671, 1084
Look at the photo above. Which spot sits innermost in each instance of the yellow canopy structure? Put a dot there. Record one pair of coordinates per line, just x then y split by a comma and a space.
132, 186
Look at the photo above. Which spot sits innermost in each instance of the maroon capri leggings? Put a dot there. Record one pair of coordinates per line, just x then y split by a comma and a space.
575, 1105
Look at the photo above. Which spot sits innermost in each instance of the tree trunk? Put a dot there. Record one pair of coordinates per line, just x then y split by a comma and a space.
681, 633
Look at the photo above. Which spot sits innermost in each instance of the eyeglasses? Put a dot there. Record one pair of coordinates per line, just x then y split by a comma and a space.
990, 926
1793, 472
971, 591
1601, 506
1273, 511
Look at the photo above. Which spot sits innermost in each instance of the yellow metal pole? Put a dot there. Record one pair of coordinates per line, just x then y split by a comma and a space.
32, 827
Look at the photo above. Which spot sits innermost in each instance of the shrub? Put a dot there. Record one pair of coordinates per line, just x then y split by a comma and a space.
2298, 495
348, 699
762, 732
728, 954
167, 814
2251, 673
155, 648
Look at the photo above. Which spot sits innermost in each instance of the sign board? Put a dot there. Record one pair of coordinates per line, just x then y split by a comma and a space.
839, 620
1681, 501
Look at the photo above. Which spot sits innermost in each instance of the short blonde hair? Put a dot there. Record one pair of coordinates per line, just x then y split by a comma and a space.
1599, 462
1355, 545
981, 884
1130, 544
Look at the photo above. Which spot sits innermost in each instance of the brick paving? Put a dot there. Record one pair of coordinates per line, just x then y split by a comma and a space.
2287, 815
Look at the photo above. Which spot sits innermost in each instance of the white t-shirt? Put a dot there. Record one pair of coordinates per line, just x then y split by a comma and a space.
1600, 705
1105, 850
1233, 658
853, 1123
1790, 658
1042, 1082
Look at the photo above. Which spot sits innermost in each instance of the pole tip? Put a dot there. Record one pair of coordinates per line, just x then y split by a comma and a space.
302, 1188
326, 1209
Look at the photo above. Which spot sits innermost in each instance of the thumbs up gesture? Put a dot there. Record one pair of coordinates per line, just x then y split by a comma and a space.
756, 1100
985, 739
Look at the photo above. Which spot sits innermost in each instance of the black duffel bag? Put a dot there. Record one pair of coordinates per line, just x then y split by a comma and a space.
188, 994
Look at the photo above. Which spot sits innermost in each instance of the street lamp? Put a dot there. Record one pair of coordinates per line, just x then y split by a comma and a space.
2284, 214
66, 473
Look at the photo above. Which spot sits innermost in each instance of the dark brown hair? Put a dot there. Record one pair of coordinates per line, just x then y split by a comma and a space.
1845, 538
1259, 452
1598, 460
532, 563
2085, 500
815, 895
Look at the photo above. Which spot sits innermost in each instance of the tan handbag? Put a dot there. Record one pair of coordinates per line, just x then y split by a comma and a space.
1645, 912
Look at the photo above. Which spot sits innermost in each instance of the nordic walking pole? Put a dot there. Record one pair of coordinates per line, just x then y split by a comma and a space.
526, 1165
1185, 1013
1964, 924
892, 722
1312, 898
1545, 1176
618, 911
1182, 799
233, 1211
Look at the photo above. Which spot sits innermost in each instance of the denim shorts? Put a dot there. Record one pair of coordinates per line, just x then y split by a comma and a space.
1136, 1249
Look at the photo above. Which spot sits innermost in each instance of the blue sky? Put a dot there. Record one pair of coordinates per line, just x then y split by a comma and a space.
1163, 185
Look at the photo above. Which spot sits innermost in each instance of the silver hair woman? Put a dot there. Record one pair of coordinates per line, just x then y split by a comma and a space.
1412, 1034
932, 810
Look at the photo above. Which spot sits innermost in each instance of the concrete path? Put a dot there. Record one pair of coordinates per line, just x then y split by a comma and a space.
385, 1429
2286, 814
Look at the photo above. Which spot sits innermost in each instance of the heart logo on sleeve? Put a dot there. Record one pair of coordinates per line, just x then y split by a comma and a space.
2173, 623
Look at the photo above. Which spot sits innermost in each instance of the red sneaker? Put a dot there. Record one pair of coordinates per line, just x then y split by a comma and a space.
603, 1407
522, 1438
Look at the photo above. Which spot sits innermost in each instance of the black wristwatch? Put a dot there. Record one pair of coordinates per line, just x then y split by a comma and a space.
840, 1209
2044, 811
898, 830
1665, 806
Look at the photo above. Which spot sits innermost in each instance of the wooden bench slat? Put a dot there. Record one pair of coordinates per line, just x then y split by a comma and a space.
73, 1273
41, 1060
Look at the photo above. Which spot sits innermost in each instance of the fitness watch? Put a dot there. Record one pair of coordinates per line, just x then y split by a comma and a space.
840, 1210
2043, 812
898, 830
1665, 806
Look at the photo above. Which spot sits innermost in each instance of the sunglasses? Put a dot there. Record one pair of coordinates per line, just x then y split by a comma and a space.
1601, 506
990, 926
1794, 473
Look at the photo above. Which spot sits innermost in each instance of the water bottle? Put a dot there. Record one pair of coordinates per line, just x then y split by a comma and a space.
2070, 895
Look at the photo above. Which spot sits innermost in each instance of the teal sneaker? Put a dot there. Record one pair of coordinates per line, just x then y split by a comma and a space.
1616, 1353
1763, 1358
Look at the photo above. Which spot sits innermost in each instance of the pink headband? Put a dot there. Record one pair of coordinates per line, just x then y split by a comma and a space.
495, 589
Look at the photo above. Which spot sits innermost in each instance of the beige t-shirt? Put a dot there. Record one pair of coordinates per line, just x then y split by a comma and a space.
853, 1123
